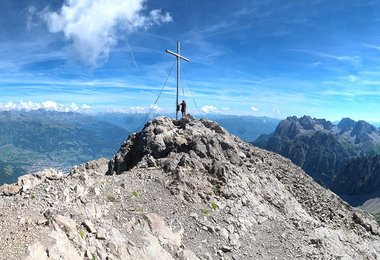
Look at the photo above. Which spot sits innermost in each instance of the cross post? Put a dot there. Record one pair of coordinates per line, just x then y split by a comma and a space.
179, 57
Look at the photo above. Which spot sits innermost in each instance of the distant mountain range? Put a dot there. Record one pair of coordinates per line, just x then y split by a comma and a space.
31, 141
248, 128
342, 157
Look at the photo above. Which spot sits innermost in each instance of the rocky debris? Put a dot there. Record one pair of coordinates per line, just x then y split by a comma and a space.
194, 193
99, 166
57, 246
28, 182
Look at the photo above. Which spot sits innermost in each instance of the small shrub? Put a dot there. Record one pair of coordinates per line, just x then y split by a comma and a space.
111, 198
214, 206
135, 194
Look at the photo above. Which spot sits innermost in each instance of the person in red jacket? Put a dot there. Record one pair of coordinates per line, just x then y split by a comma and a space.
183, 108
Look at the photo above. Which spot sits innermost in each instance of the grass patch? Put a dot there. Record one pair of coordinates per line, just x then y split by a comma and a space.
214, 206
135, 194
205, 211
112, 199
82, 234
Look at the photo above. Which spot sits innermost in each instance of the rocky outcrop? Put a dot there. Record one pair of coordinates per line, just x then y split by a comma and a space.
346, 125
362, 132
311, 144
322, 149
30, 181
359, 180
193, 193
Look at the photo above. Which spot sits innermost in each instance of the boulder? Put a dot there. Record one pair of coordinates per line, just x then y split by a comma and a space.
10, 190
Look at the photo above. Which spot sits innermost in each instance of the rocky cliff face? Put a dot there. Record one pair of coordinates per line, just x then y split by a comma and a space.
359, 178
324, 150
312, 144
173, 193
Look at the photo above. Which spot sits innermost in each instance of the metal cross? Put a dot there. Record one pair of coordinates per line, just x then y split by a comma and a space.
179, 57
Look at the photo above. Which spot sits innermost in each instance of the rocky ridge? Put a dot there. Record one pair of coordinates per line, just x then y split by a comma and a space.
329, 152
173, 193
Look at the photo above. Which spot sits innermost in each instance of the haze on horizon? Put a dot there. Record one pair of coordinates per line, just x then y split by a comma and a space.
262, 58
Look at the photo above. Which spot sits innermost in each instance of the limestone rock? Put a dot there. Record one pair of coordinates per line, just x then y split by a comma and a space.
99, 166
28, 182
50, 174
174, 193
58, 246
10, 190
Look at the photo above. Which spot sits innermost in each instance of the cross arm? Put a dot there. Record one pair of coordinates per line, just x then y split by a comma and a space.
177, 55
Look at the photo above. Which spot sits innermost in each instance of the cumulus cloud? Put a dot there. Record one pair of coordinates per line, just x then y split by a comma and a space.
254, 108
209, 109
95, 26
135, 110
48, 105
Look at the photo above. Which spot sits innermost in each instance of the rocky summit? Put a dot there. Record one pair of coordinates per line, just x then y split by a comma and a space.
182, 192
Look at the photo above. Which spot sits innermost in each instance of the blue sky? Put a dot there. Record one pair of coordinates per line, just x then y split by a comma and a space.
248, 57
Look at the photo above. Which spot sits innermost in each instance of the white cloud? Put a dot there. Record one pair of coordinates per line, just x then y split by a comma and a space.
48, 105
85, 107
95, 26
276, 111
254, 109
225, 109
135, 110
209, 109
155, 108
138, 110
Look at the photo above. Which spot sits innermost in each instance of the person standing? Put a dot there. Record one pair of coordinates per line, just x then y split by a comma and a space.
183, 108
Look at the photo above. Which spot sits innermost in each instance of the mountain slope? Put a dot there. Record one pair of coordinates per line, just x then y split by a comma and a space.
40, 139
359, 180
198, 193
326, 151
310, 143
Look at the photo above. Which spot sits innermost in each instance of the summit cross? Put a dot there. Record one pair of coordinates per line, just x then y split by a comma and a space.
179, 57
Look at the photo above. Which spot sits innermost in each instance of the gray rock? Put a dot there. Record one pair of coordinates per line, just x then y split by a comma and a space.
89, 226
10, 190
226, 249
50, 174
220, 198
28, 182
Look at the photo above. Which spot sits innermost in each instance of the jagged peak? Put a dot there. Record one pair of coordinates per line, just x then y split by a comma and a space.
292, 126
164, 138
363, 128
346, 124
